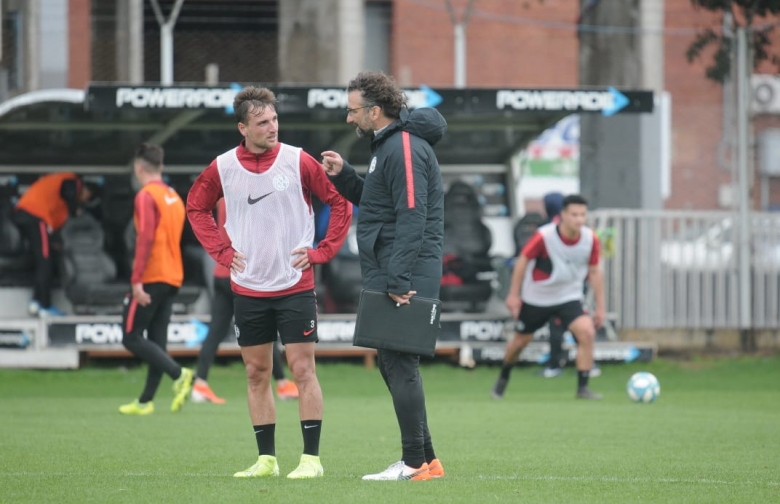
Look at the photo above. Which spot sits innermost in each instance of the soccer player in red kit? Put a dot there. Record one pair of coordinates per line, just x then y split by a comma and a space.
221, 316
268, 186
547, 282
158, 273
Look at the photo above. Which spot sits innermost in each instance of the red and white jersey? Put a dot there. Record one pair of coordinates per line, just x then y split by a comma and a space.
566, 266
267, 218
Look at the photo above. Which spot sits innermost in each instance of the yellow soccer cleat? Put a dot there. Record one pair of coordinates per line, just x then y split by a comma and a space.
309, 467
184, 380
182, 387
264, 467
136, 408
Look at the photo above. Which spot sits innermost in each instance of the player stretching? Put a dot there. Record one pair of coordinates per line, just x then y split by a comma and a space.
561, 256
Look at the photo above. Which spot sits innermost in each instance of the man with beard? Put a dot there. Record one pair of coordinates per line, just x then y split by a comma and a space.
400, 233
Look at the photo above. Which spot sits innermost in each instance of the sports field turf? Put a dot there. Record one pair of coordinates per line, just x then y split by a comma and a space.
713, 436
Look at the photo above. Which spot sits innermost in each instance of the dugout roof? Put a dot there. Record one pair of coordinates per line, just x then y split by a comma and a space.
97, 129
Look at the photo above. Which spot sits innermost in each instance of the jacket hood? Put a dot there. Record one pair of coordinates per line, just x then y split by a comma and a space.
553, 204
426, 123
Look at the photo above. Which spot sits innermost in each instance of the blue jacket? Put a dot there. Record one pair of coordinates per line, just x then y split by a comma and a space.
400, 227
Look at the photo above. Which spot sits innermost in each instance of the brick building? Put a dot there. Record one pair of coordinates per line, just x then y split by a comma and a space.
509, 43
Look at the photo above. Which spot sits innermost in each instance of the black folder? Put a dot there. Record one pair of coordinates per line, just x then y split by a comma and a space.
411, 328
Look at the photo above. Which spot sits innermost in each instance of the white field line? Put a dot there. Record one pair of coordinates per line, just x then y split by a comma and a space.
509, 477
613, 479
31, 474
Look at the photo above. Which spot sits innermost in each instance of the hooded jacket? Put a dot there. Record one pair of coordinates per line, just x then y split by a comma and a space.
400, 227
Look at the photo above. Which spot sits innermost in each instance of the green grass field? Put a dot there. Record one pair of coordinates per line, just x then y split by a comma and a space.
713, 436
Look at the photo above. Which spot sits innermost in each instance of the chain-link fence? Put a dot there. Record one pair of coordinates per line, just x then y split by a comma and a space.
239, 37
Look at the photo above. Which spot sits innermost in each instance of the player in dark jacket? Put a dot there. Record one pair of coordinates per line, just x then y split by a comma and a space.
400, 233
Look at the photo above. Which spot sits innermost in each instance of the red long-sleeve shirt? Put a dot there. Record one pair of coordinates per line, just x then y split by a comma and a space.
207, 190
148, 218
219, 270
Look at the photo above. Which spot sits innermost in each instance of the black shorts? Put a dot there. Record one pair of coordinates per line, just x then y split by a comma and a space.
293, 317
532, 318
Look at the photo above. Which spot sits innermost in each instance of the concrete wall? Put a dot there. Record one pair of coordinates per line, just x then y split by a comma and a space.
703, 340
320, 41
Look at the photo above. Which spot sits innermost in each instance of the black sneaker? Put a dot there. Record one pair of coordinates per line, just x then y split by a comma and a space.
498, 389
586, 393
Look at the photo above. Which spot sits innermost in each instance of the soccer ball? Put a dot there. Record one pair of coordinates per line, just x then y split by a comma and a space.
643, 387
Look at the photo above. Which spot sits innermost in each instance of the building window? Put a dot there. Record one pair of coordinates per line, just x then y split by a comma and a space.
11, 75
378, 20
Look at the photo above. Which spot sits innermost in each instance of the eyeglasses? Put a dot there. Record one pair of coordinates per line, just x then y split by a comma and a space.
351, 111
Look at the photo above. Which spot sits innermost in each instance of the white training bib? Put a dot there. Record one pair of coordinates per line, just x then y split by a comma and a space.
267, 218
570, 265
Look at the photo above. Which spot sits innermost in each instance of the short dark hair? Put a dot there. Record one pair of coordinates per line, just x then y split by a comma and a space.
251, 98
574, 199
381, 90
152, 155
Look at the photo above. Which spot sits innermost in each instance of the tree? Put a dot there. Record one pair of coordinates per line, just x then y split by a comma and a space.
742, 13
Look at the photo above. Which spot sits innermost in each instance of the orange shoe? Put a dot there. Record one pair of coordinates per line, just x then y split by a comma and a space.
421, 474
436, 469
201, 392
287, 390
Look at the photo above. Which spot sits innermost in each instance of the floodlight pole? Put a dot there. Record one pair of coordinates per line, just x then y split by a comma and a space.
743, 195
31, 34
166, 40
136, 42
459, 27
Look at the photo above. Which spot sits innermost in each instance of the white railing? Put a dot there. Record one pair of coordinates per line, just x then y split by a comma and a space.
678, 269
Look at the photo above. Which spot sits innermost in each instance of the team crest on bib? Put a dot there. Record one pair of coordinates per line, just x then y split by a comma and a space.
373, 165
281, 182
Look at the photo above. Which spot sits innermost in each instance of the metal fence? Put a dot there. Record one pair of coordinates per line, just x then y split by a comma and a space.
678, 269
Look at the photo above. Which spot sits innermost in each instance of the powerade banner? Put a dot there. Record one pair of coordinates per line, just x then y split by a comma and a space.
539, 352
14, 338
607, 102
190, 333
484, 338
342, 331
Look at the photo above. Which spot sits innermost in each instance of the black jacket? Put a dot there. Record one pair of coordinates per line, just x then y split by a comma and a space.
400, 229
